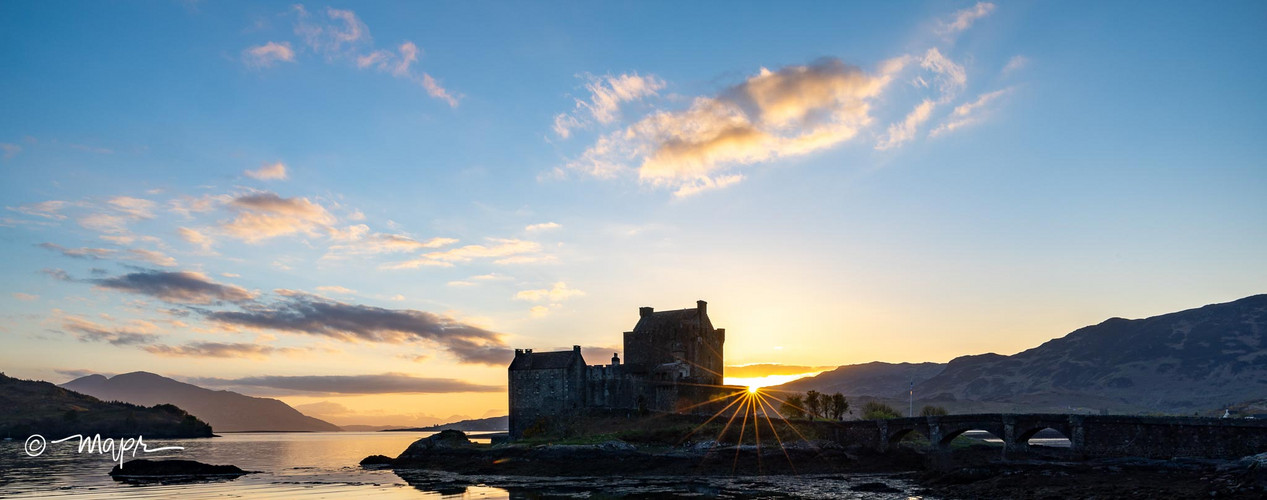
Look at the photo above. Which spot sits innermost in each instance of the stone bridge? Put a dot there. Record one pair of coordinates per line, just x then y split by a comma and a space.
1089, 435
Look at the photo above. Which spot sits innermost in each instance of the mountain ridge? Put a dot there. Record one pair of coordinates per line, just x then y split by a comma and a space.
226, 411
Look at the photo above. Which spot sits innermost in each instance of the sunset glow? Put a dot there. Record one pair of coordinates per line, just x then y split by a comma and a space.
363, 209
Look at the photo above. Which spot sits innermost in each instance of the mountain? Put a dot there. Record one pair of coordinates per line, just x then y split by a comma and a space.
475, 424
34, 407
227, 411
1189, 361
868, 379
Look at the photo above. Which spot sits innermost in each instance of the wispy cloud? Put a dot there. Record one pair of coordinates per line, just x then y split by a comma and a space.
134, 207
963, 19
341, 35
47, 209
1015, 64
269, 172
185, 287
337, 289
219, 350
89, 331
386, 383
607, 93
25, 296
264, 56
358, 240
196, 237
905, 130
557, 293
9, 150
969, 113
544, 226
505, 251
309, 314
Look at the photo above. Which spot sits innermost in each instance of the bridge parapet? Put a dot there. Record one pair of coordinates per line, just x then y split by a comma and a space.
1089, 435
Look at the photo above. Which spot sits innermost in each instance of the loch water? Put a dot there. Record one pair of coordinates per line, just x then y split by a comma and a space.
325, 465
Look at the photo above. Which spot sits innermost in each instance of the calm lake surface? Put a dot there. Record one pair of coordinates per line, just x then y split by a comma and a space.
324, 465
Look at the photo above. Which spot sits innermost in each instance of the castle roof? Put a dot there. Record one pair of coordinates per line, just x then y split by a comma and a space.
545, 360
660, 321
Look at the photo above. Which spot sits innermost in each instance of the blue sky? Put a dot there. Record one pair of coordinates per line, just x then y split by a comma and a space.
252, 195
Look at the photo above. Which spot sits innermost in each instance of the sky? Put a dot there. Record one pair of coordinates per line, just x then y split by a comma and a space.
363, 208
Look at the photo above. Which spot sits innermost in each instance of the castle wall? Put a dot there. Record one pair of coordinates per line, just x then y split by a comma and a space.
537, 394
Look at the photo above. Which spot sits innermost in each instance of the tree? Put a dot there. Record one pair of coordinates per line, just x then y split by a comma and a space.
793, 406
814, 404
875, 410
838, 406
930, 411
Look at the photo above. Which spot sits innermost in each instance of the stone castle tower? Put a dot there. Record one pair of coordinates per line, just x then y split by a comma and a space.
673, 359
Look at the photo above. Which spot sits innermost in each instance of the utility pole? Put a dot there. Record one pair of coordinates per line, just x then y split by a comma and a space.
910, 412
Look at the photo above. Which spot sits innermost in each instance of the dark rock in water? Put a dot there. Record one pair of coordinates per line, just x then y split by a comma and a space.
448, 440
376, 460
173, 470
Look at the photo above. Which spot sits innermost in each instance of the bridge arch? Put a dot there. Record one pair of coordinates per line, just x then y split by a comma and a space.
1026, 435
949, 437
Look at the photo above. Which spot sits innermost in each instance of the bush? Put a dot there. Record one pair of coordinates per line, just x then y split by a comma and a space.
878, 411
931, 411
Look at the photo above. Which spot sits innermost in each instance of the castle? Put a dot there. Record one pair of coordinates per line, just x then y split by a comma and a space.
673, 362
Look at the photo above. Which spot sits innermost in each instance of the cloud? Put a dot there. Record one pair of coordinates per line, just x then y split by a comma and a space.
184, 287
218, 350
963, 19
265, 215
134, 207
1015, 64
701, 184
81, 373
969, 113
544, 226
79, 253
359, 241
607, 93
334, 38
25, 296
105, 223
273, 172
337, 289
151, 256
88, 331
8, 150
197, 238
558, 293
56, 274
264, 56
344, 36
790, 112
46, 209
951, 77
492, 277
905, 130
386, 383
506, 250
539, 311
303, 313
137, 254
461, 283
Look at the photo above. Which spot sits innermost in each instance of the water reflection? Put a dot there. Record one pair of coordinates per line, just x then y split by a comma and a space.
315, 465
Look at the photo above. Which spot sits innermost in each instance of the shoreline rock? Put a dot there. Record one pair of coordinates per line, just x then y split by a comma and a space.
144, 470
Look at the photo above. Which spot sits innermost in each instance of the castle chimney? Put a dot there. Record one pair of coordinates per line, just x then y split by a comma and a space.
527, 351
519, 352
702, 306
576, 348
615, 359
645, 311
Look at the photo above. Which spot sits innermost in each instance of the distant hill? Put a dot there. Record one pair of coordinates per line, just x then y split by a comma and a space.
227, 411
476, 424
868, 379
34, 407
1196, 360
